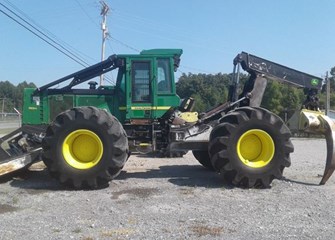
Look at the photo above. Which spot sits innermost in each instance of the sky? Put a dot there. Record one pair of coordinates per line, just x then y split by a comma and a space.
295, 33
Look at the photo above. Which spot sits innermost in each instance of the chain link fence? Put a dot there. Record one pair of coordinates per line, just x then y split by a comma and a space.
9, 121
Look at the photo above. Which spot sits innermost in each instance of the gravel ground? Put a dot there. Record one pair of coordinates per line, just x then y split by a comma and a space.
173, 199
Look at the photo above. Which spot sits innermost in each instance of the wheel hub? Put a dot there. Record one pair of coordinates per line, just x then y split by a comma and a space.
82, 149
255, 148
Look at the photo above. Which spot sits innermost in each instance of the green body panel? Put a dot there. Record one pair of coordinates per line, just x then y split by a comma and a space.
145, 89
48, 107
35, 109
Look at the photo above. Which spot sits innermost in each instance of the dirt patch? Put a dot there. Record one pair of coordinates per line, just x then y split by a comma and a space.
201, 231
136, 192
5, 208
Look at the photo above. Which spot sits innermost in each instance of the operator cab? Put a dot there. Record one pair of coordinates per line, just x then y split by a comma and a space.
146, 85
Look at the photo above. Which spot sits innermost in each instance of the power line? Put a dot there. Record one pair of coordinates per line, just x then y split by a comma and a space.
195, 69
123, 44
96, 24
43, 36
86, 13
64, 51
159, 30
58, 46
48, 32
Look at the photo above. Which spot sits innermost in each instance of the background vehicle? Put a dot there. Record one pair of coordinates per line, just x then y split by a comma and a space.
84, 135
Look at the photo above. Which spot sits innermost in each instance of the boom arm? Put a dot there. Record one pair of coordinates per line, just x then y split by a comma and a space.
275, 71
81, 76
261, 69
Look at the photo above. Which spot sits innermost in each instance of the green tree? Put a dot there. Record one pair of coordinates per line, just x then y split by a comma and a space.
12, 96
322, 95
207, 90
272, 97
6, 95
331, 79
210, 90
292, 98
332, 87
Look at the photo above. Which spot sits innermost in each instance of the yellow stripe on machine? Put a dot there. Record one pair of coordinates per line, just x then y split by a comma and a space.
146, 108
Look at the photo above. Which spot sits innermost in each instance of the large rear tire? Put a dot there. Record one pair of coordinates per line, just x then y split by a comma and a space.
85, 147
250, 147
203, 158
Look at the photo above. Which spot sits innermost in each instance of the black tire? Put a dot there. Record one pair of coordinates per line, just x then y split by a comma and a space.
85, 147
203, 158
250, 133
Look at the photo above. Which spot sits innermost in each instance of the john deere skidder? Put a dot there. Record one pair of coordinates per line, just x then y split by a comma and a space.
83, 134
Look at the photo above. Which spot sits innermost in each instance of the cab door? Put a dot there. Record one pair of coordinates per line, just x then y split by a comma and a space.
165, 89
141, 89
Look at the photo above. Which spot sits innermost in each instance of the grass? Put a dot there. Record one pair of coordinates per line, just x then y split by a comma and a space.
77, 230
15, 200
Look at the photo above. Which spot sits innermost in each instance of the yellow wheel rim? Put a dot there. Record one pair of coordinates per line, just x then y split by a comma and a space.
255, 148
82, 149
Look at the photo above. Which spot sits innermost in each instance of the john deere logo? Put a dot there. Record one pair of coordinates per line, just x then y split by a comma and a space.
314, 82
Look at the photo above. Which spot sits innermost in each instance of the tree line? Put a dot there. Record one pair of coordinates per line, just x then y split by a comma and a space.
11, 96
209, 90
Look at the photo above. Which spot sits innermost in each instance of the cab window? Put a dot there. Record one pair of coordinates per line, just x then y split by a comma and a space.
121, 85
121, 80
141, 81
163, 76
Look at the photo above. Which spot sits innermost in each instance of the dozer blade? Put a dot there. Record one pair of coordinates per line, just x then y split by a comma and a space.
15, 152
318, 123
18, 162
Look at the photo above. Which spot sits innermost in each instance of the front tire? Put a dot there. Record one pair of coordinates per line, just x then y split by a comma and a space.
250, 147
85, 147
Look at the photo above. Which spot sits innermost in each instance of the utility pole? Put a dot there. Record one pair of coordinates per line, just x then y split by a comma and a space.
104, 11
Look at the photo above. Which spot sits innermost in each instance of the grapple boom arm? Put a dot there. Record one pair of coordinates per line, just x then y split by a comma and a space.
275, 71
